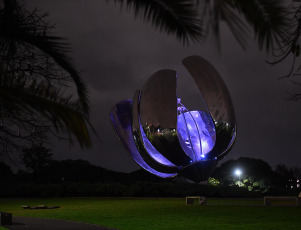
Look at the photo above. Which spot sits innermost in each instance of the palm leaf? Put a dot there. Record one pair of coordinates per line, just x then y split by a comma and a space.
238, 28
177, 17
267, 17
15, 30
42, 98
52, 46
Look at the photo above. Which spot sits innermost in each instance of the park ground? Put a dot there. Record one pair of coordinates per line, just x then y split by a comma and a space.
162, 213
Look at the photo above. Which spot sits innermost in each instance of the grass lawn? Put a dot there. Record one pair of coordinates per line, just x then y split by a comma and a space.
164, 213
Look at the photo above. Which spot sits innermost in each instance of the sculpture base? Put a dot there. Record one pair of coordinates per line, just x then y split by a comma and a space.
198, 171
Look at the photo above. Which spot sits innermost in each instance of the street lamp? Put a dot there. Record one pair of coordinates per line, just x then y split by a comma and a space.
238, 173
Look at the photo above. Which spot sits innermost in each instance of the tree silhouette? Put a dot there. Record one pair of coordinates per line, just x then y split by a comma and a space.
289, 48
35, 77
35, 158
6, 174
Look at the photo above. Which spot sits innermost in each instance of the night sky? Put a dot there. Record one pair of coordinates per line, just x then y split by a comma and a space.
117, 53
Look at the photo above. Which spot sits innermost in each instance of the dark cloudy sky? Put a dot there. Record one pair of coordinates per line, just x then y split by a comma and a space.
117, 53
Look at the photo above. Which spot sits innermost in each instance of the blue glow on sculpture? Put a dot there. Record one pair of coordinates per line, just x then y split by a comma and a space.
196, 132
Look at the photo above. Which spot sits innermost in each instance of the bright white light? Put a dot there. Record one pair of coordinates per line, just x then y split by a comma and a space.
237, 172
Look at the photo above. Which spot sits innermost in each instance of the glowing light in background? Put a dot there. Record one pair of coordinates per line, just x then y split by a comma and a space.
237, 172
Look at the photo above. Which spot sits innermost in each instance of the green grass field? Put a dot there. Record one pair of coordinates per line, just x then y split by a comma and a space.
165, 213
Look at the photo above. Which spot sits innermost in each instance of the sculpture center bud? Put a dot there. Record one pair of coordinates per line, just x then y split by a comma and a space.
196, 132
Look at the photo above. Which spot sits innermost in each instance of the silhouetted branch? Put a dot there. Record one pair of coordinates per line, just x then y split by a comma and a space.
34, 75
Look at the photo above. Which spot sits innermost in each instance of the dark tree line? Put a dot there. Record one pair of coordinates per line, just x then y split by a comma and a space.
36, 158
257, 175
79, 177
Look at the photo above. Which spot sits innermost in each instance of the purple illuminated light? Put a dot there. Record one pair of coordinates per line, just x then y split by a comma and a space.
196, 132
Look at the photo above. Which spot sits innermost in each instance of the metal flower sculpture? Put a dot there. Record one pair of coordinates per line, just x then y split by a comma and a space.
166, 139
